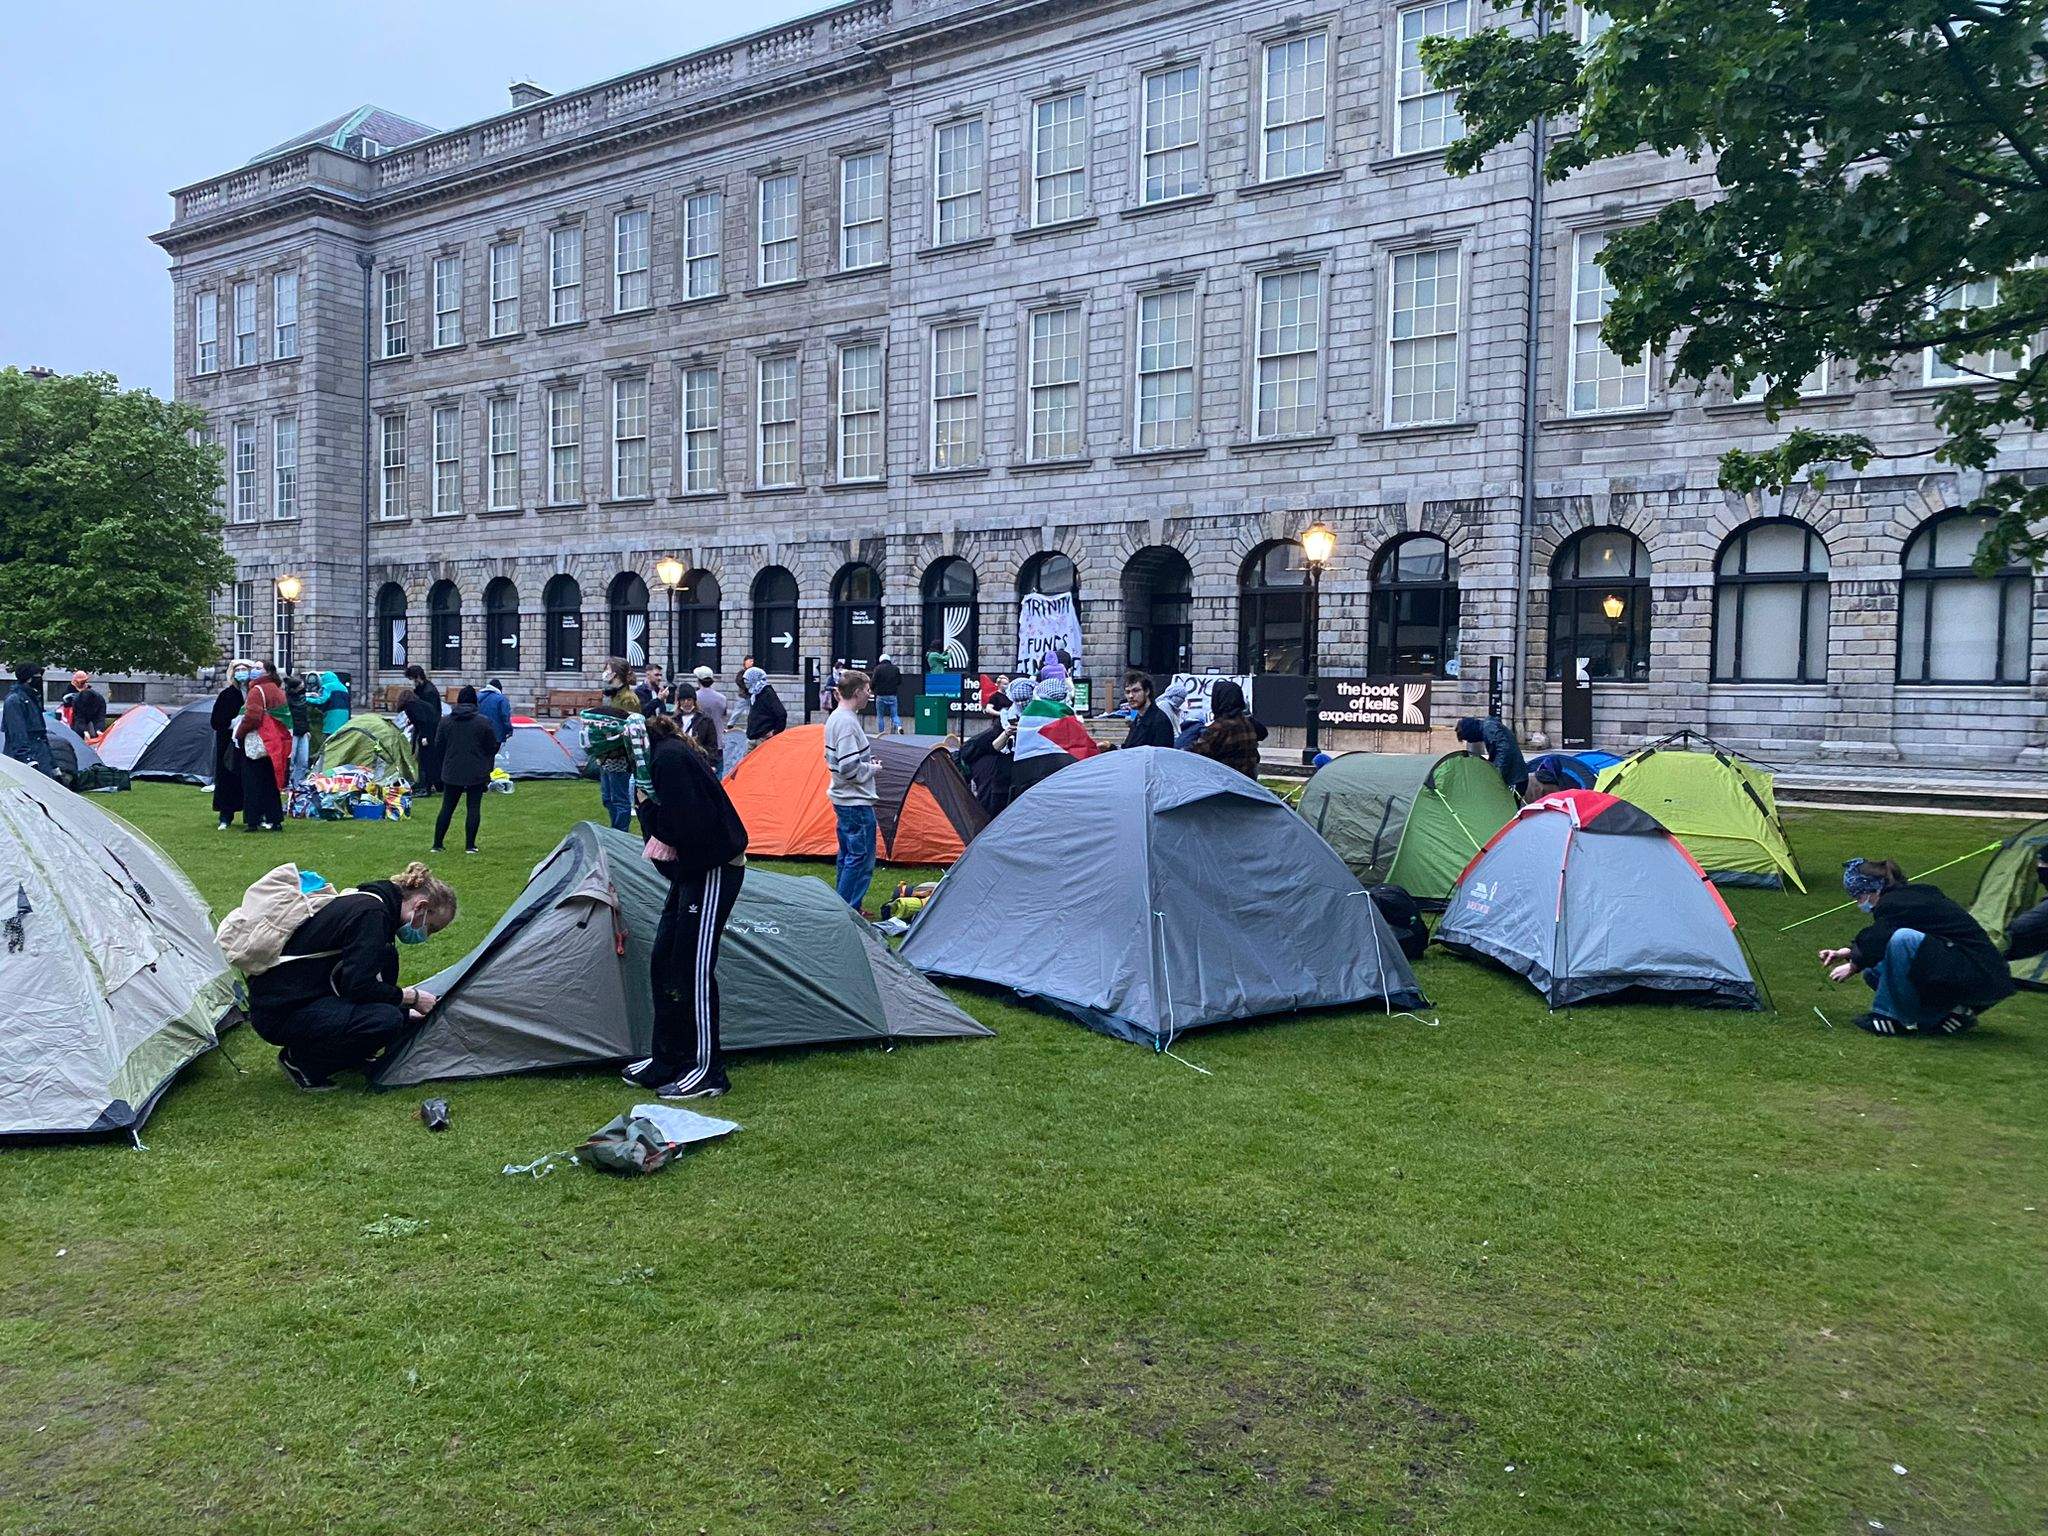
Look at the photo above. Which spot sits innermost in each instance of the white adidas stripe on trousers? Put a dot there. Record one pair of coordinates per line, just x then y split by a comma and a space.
704, 962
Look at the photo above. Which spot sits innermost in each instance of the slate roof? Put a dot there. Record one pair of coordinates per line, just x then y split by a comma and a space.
348, 132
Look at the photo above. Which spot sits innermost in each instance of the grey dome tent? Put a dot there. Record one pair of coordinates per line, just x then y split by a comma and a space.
532, 752
78, 766
182, 752
1150, 892
1589, 896
109, 974
130, 734
561, 980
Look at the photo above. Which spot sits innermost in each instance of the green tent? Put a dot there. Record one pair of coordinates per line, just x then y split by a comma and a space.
562, 979
2007, 888
1410, 819
372, 742
1719, 804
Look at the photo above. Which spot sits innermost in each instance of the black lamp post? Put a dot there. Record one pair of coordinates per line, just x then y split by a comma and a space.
288, 590
1318, 544
669, 572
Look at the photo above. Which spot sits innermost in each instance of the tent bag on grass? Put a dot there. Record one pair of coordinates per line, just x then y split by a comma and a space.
650, 1138
254, 935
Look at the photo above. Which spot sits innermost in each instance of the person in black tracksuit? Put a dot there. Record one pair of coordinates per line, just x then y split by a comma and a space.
689, 812
1931, 965
468, 745
339, 1007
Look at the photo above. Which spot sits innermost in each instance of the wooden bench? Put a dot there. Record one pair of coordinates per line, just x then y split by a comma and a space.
561, 703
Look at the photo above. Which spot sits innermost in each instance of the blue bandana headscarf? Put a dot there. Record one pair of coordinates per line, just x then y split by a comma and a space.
1858, 882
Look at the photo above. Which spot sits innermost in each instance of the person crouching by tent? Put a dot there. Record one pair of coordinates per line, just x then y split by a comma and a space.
469, 750
266, 720
227, 757
22, 726
340, 1007
86, 708
1232, 736
850, 759
766, 715
1492, 740
1932, 967
698, 842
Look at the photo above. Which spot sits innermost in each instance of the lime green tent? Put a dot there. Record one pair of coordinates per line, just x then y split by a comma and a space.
1410, 819
2007, 888
1720, 805
372, 742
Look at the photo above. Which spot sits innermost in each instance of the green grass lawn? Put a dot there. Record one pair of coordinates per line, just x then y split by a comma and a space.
1612, 1271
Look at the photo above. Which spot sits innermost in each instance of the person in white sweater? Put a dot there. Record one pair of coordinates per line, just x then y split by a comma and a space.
850, 759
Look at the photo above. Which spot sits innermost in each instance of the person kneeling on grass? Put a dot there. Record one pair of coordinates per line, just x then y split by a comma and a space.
1932, 967
698, 842
333, 1003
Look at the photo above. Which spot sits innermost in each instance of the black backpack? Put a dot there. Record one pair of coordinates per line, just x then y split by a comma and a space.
1404, 917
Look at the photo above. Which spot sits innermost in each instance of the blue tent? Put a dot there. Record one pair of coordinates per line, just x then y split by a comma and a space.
1200, 899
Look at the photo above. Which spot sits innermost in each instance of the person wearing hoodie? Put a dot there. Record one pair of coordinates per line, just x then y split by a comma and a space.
27, 733
1232, 736
1932, 967
496, 708
469, 750
765, 714
328, 708
699, 844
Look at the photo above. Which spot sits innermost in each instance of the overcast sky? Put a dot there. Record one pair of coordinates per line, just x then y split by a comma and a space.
105, 107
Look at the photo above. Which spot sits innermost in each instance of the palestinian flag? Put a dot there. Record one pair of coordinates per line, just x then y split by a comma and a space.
1046, 726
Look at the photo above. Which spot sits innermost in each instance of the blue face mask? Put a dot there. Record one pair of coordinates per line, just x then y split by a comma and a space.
407, 934
241, 677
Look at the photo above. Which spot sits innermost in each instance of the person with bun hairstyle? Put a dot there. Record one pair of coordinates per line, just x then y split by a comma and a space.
333, 1003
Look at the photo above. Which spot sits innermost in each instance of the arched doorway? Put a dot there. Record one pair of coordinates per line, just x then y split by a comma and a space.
391, 626
775, 630
1159, 630
1414, 609
857, 615
952, 613
444, 624
627, 602
562, 601
699, 621
1272, 608
501, 626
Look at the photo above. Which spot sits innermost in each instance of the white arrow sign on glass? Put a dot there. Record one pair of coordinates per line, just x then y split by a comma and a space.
784, 641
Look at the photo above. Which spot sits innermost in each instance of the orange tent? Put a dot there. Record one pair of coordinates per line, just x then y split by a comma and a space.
926, 815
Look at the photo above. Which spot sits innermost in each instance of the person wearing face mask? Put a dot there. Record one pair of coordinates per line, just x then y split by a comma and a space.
333, 1003
227, 757
1932, 967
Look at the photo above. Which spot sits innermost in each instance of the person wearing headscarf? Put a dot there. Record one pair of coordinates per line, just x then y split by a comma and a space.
1932, 968
227, 757
766, 715
1232, 736
1172, 702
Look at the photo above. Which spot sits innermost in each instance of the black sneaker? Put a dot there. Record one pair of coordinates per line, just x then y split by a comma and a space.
676, 1093
640, 1074
1961, 1021
303, 1080
1879, 1024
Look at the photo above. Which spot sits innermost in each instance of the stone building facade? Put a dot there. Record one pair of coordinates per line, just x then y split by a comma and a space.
1148, 286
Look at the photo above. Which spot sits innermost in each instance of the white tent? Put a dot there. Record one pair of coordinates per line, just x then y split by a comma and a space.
110, 981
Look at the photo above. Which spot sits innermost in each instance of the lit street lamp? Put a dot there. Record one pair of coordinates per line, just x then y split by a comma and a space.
669, 571
1318, 544
288, 590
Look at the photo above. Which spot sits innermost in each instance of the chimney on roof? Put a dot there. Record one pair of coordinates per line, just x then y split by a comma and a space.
525, 93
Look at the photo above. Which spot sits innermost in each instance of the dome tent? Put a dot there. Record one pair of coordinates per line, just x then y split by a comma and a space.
372, 742
561, 980
131, 733
1204, 900
109, 970
1721, 805
78, 766
926, 814
1411, 821
2007, 888
182, 752
532, 752
1587, 896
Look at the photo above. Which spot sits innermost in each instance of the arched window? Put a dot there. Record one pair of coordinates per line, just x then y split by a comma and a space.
444, 625
1771, 605
1159, 631
501, 627
391, 652
1956, 626
1600, 605
857, 615
700, 621
1049, 574
952, 613
627, 604
775, 631
1272, 610
562, 605
1414, 609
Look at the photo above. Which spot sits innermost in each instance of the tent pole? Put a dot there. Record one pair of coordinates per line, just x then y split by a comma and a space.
1845, 905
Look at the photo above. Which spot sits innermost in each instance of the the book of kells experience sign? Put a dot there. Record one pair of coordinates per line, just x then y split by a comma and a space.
1374, 703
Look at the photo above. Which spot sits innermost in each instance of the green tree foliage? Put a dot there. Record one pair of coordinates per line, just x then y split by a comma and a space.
109, 537
1882, 187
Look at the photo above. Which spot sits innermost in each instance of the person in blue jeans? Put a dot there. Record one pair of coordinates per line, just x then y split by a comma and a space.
850, 760
1932, 967
888, 685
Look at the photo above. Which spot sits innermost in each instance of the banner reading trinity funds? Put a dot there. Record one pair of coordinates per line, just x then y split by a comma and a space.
1374, 704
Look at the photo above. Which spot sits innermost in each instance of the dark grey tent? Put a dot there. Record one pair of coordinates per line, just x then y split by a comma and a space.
1589, 896
183, 750
562, 979
1150, 892
532, 752
78, 766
